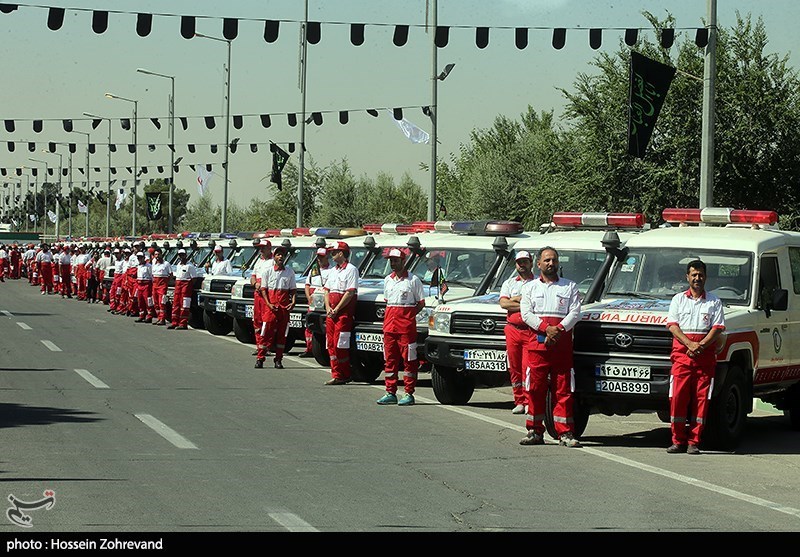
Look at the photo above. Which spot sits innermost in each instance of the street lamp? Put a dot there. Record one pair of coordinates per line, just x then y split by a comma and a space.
58, 191
44, 190
88, 178
224, 222
108, 187
171, 137
135, 153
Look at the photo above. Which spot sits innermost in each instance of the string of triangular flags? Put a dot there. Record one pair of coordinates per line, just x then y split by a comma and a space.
52, 146
313, 31
158, 169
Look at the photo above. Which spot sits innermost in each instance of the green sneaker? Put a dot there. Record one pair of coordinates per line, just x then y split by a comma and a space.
388, 398
407, 400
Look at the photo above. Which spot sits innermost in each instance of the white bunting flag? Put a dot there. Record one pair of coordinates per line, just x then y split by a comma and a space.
52, 216
120, 198
411, 131
82, 208
203, 177
32, 218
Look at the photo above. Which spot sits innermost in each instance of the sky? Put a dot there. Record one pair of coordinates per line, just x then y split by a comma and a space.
62, 74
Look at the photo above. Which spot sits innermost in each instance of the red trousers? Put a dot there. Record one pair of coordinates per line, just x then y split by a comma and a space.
66, 281
55, 270
16, 266
33, 272
338, 333
46, 276
130, 285
117, 301
160, 297
181, 303
542, 364
400, 347
274, 327
101, 289
309, 337
144, 298
690, 388
3, 264
517, 338
259, 307
80, 278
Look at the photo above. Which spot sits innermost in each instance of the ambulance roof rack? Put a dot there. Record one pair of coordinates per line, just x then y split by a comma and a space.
720, 215
566, 219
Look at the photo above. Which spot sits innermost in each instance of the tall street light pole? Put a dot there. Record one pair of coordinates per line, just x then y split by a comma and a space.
709, 82
108, 186
224, 223
44, 190
171, 136
58, 191
302, 85
88, 179
135, 153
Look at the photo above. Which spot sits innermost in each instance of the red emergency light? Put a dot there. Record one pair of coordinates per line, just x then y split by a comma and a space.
604, 220
374, 228
424, 226
719, 215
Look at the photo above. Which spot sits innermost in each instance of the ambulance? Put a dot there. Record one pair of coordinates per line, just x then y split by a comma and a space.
466, 342
622, 345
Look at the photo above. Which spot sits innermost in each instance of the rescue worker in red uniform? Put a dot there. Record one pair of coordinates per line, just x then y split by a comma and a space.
551, 306
184, 272
315, 281
696, 320
405, 298
144, 290
341, 290
263, 262
65, 272
80, 272
278, 290
28, 260
161, 273
3, 262
44, 262
102, 268
15, 258
517, 333
118, 299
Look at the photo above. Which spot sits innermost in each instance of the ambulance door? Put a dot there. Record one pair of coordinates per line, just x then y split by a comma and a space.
773, 326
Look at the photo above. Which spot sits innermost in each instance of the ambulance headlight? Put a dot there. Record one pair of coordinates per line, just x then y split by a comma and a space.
423, 316
318, 301
440, 322
206, 284
237, 291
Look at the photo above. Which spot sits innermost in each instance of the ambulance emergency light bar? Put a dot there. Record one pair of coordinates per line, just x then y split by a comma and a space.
336, 233
294, 232
719, 215
486, 228
600, 220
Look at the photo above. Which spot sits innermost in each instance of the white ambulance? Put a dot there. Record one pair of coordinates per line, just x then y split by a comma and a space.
466, 342
622, 346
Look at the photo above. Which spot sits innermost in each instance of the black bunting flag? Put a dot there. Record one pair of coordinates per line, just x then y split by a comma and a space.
649, 83
279, 158
154, 211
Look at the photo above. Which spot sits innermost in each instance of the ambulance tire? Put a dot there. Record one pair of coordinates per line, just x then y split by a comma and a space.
580, 417
727, 413
217, 323
196, 318
243, 331
366, 366
450, 386
320, 351
664, 416
793, 406
288, 345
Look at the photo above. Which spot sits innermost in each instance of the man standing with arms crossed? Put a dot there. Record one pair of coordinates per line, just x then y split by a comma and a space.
161, 273
517, 333
220, 265
551, 306
144, 290
695, 320
278, 290
44, 262
263, 262
405, 298
340, 302
185, 271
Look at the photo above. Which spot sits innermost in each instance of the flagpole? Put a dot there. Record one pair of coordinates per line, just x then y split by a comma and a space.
435, 82
69, 226
709, 78
304, 52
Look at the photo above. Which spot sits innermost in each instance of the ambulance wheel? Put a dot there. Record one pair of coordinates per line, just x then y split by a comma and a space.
243, 331
451, 386
664, 416
288, 345
196, 318
217, 323
366, 366
320, 351
727, 413
793, 406
580, 416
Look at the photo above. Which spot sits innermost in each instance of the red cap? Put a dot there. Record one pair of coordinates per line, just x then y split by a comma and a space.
338, 246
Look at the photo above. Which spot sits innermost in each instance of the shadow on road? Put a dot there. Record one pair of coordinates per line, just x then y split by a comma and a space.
16, 415
32, 369
30, 314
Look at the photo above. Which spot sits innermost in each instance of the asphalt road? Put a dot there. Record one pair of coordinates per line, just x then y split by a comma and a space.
138, 428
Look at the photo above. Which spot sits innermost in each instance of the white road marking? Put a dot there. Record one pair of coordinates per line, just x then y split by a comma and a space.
94, 381
165, 431
6, 313
291, 522
52, 347
24, 326
627, 462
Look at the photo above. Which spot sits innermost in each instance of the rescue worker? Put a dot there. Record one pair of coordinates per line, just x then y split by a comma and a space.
102, 267
315, 281
65, 272
551, 306
28, 262
144, 289
516, 331
74, 269
278, 290
3, 262
116, 296
131, 270
185, 271
696, 321
220, 265
405, 298
91, 278
340, 303
161, 273
44, 262
263, 262
80, 271
15, 258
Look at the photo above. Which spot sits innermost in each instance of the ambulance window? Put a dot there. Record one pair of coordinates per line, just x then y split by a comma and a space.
769, 280
794, 260
300, 259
